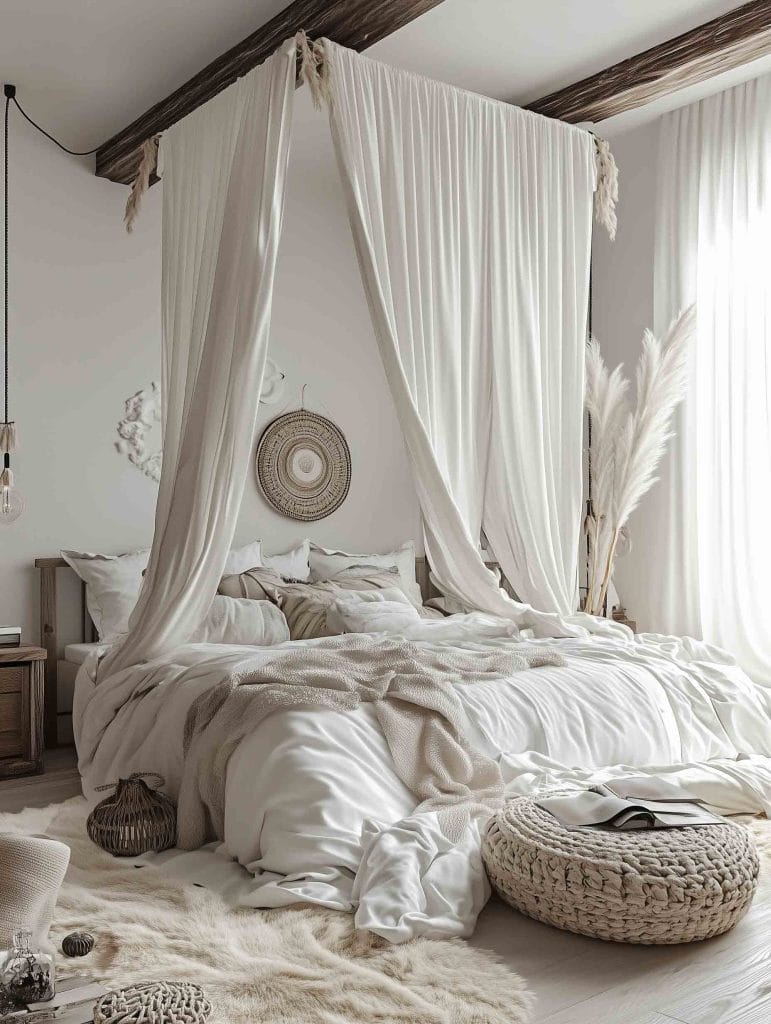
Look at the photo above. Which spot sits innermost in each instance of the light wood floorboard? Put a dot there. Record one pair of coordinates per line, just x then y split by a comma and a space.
59, 782
576, 980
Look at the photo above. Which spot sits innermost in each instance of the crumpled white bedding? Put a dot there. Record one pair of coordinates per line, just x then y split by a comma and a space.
315, 811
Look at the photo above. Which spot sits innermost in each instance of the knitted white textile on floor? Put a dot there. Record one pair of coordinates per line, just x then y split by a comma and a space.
32, 870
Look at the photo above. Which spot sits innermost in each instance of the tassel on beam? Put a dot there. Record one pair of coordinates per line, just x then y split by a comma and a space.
7, 437
142, 181
606, 193
313, 68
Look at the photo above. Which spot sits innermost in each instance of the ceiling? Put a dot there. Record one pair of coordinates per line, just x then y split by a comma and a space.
86, 68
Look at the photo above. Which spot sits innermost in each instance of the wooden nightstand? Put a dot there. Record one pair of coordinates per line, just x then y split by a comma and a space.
21, 710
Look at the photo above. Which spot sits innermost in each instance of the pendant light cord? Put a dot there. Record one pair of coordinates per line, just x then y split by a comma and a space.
5, 255
10, 97
25, 115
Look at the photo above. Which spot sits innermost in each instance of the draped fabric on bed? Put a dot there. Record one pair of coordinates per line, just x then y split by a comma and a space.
224, 169
472, 223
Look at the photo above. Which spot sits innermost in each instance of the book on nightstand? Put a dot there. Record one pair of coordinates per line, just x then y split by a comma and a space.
10, 636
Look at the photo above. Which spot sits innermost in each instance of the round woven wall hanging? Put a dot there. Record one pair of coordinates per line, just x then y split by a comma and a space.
304, 465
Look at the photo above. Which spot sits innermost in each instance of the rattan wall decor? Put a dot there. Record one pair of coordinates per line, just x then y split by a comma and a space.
303, 465
135, 819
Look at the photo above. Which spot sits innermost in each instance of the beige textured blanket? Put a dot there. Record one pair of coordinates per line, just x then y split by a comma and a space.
417, 706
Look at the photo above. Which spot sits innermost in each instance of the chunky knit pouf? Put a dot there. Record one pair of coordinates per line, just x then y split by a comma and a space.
653, 886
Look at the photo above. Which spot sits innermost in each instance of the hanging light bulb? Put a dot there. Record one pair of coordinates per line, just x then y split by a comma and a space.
11, 501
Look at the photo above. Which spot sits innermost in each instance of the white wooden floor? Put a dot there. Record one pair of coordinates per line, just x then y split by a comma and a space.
576, 980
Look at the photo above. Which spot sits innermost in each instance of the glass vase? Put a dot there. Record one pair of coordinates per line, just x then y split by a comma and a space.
27, 975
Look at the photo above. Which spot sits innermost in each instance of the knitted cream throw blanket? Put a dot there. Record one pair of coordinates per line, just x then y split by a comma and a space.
417, 707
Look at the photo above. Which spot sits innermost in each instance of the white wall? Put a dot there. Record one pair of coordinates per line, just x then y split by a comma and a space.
622, 307
85, 335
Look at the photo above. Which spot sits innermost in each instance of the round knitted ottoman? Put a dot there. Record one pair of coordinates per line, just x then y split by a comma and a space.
653, 886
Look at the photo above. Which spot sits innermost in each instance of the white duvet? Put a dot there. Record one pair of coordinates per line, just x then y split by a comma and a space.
315, 811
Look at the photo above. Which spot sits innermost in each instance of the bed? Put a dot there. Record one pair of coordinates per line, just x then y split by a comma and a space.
66, 653
316, 812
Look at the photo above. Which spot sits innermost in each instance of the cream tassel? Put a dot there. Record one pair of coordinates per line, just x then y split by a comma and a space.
142, 180
606, 194
6, 477
314, 69
7, 437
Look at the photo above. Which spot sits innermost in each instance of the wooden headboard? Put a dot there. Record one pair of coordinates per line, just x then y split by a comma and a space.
49, 632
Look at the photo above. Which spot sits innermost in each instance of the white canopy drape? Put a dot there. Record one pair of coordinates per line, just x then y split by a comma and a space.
711, 568
472, 223
224, 170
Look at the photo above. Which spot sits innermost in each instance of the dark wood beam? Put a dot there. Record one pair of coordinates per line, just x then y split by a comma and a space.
353, 23
729, 41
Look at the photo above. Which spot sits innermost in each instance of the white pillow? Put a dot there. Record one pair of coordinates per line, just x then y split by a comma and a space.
243, 559
238, 620
354, 616
292, 564
112, 583
326, 563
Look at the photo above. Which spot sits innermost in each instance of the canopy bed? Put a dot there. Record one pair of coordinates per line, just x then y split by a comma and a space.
356, 766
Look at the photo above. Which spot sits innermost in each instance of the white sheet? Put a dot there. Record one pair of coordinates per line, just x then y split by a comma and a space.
316, 813
76, 654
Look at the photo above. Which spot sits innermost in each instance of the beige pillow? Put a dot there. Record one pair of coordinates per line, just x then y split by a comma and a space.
304, 604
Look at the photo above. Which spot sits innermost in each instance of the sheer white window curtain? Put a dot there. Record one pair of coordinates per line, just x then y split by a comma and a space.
224, 171
472, 224
714, 247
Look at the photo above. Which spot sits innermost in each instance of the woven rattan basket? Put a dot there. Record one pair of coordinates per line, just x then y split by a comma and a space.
135, 819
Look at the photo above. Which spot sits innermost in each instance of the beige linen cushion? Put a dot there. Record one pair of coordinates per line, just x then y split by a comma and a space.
305, 605
32, 870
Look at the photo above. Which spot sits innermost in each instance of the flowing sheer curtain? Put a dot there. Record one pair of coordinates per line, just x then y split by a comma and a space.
224, 170
714, 247
472, 224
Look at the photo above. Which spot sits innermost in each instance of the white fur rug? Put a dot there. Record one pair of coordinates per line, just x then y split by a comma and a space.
303, 965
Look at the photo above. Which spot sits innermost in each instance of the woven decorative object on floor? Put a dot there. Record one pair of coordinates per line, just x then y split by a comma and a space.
135, 819
657, 886
158, 1003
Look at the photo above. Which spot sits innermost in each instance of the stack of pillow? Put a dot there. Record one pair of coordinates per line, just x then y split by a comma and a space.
303, 593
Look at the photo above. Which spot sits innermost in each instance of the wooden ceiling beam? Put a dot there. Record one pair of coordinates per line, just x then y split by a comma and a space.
353, 23
735, 38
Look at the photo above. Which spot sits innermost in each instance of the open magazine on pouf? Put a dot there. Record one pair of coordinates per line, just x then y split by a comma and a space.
624, 805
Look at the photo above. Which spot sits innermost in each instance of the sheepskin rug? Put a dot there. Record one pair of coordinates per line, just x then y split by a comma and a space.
301, 964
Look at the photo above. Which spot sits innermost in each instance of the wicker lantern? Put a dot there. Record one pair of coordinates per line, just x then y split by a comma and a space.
135, 819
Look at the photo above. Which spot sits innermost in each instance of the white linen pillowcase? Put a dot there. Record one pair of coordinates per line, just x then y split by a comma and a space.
113, 583
326, 563
293, 564
241, 621
243, 559
379, 611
